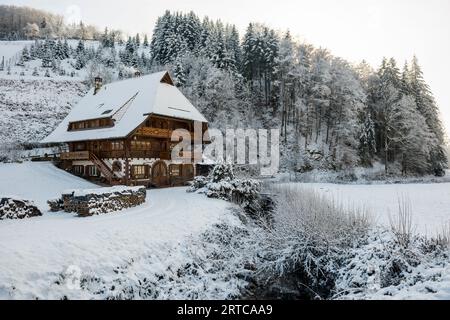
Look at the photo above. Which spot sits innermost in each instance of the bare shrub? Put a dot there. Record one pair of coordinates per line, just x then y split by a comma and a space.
402, 224
443, 237
306, 242
10, 152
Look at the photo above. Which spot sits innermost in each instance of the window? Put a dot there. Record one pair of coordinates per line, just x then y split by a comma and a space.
92, 171
91, 124
139, 171
78, 170
174, 170
141, 145
117, 145
159, 123
80, 146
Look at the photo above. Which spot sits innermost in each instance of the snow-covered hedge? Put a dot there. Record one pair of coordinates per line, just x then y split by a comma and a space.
89, 202
221, 183
14, 208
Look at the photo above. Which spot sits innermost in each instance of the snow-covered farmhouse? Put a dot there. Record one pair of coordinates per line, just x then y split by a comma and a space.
120, 133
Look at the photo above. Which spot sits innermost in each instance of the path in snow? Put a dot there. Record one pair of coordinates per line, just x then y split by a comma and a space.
430, 202
33, 251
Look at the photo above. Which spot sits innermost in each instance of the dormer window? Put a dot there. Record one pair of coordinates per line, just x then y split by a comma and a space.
91, 124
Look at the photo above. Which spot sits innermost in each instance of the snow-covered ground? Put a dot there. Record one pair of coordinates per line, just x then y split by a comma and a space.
430, 203
146, 248
11, 49
35, 251
31, 109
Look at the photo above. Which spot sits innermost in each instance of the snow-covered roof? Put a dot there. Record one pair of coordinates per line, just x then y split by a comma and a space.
128, 102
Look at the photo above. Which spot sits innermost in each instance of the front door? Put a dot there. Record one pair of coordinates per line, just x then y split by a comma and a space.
159, 174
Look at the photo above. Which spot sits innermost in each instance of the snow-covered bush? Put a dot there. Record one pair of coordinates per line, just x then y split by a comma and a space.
306, 244
246, 193
222, 172
10, 152
198, 183
221, 183
378, 267
13, 208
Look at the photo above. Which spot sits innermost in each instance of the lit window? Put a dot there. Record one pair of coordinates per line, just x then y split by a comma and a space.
117, 145
139, 171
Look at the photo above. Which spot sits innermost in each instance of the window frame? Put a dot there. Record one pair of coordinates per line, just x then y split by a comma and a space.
143, 171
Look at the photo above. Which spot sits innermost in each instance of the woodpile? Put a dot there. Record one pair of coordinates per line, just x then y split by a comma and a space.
98, 201
13, 208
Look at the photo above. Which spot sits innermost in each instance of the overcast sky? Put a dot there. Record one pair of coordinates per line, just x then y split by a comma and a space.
352, 29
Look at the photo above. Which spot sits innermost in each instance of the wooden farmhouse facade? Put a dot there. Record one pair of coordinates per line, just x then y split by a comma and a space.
120, 133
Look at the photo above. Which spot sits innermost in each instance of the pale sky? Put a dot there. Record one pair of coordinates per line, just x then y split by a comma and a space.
352, 29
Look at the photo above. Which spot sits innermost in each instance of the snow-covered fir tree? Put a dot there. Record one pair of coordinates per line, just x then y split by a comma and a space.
332, 114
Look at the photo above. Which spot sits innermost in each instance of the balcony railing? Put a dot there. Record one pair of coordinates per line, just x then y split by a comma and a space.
154, 132
157, 133
76, 155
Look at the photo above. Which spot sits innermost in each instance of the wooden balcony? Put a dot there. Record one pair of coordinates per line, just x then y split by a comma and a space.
77, 155
157, 133
154, 132
135, 154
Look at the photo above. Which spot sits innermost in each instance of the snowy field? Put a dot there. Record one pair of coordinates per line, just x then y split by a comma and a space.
43, 257
11, 49
430, 203
35, 251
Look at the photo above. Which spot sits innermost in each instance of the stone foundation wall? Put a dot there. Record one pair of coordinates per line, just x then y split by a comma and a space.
98, 201
17, 209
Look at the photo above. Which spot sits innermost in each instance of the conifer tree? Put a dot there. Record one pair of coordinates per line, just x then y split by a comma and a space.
367, 147
26, 54
65, 50
137, 40
145, 44
427, 107
179, 73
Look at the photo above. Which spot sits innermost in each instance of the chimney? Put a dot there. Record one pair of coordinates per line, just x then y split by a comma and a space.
97, 84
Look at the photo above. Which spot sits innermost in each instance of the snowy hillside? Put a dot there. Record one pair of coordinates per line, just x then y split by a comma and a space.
36, 253
35, 97
12, 50
31, 108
